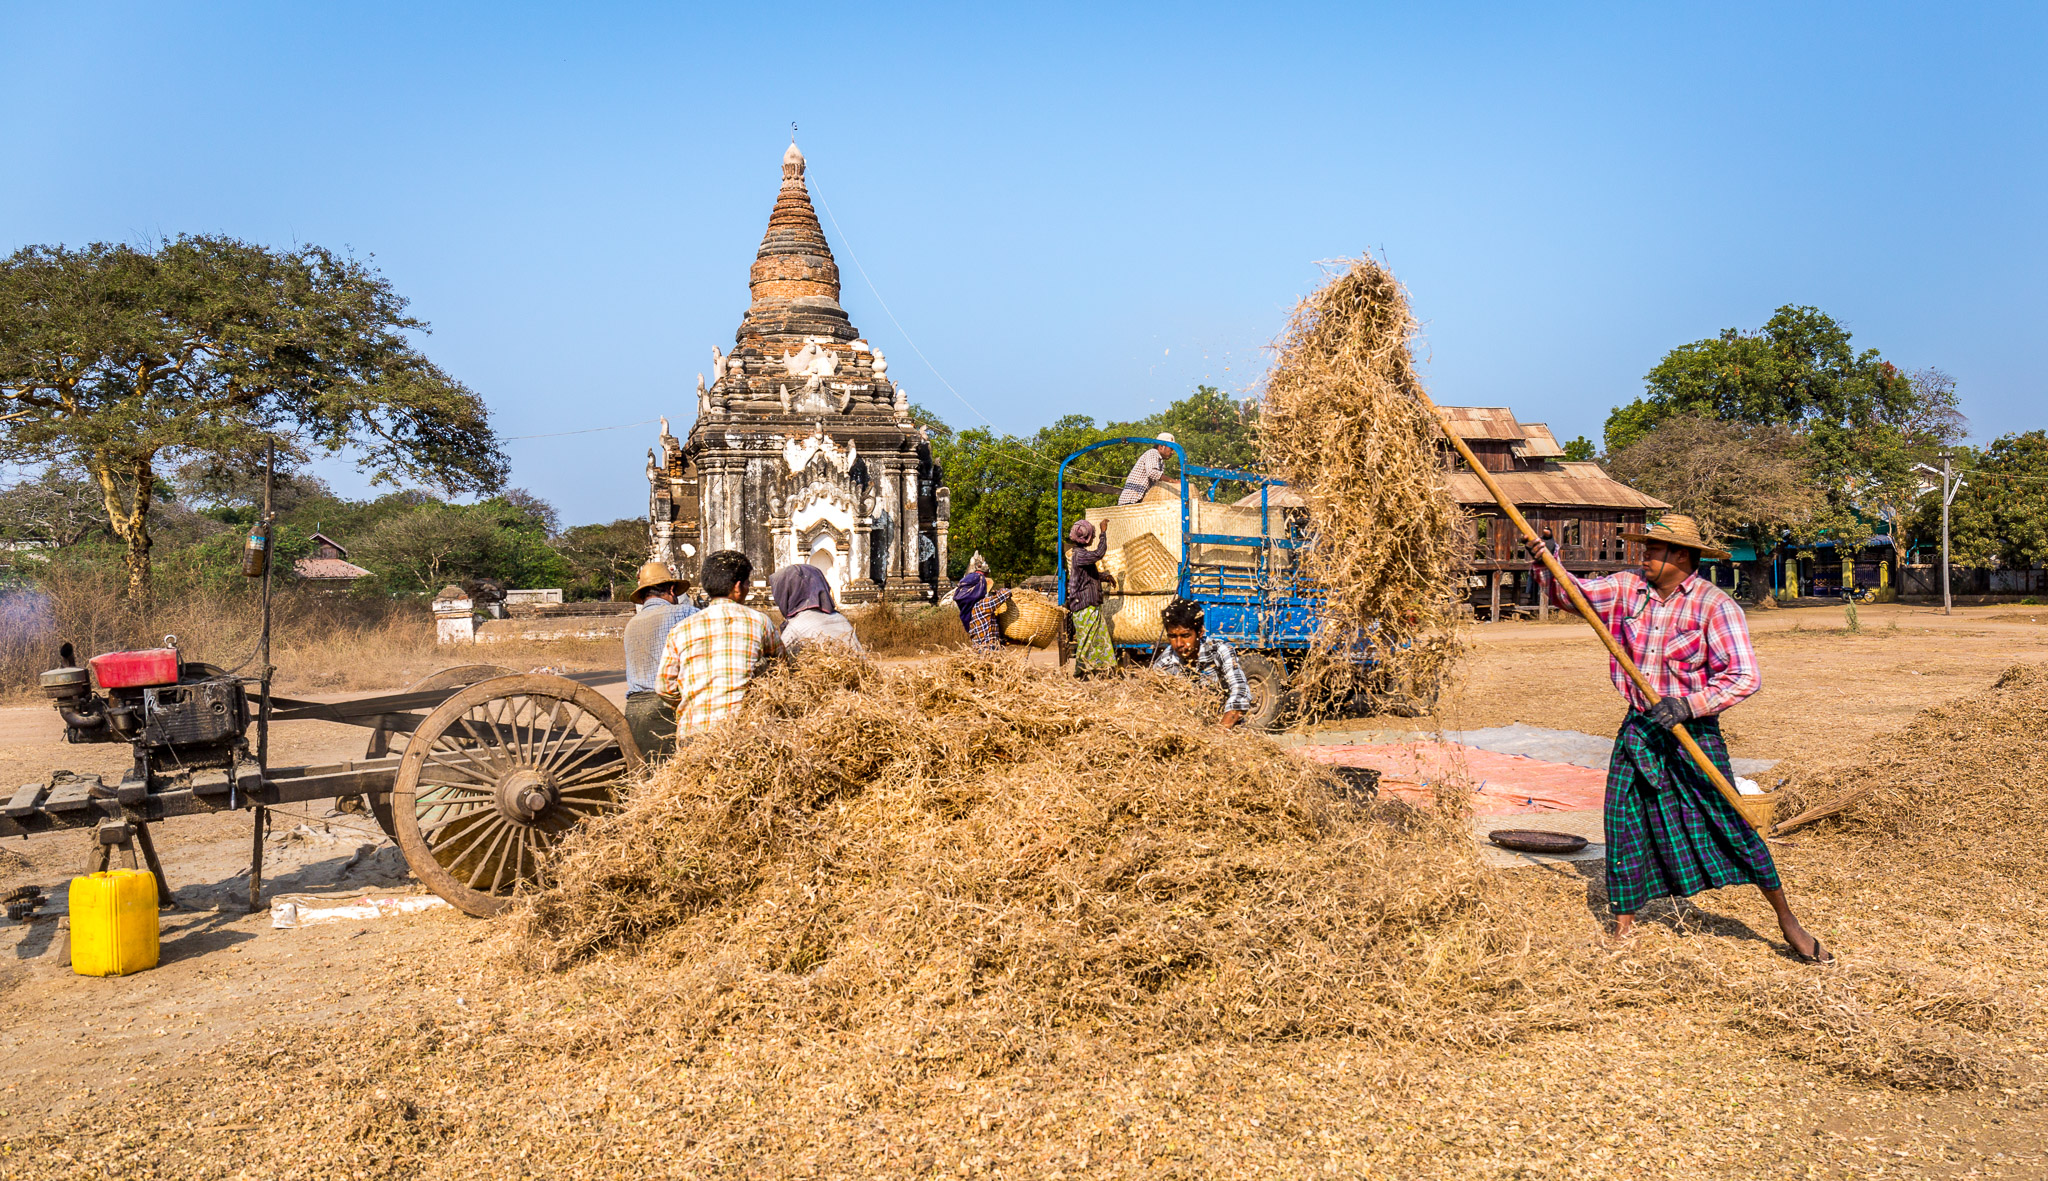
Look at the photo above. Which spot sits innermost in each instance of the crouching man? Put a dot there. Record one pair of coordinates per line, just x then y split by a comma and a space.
1189, 653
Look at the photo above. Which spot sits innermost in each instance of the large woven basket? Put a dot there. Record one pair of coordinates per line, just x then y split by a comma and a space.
1031, 618
1135, 619
1148, 568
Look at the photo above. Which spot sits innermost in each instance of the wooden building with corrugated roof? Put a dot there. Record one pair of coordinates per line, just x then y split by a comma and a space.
1585, 509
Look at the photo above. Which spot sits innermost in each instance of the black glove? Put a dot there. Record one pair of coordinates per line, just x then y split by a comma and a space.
1670, 712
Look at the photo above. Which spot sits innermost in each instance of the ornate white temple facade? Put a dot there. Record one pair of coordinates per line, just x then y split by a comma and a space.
802, 450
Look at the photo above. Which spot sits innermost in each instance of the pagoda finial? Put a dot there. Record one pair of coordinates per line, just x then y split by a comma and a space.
792, 162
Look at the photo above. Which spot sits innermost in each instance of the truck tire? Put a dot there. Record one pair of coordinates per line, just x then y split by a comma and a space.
1269, 690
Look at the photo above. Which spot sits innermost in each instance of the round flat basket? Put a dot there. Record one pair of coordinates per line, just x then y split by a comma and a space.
1534, 840
1031, 618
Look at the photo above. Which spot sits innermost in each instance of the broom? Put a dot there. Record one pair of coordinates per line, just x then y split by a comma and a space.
1585, 609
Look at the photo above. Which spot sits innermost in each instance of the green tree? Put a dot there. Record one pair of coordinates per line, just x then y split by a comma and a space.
424, 549
2002, 512
1579, 449
124, 360
605, 557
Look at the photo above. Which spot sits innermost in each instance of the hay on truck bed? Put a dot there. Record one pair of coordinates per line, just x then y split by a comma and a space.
1344, 422
973, 854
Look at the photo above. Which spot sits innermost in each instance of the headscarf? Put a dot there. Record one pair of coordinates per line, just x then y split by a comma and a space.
801, 587
1083, 533
971, 590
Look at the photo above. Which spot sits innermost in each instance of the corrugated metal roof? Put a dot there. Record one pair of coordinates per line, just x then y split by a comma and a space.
1580, 484
1483, 422
1538, 442
328, 568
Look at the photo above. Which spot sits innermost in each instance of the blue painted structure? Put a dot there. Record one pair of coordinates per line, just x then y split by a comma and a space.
1258, 607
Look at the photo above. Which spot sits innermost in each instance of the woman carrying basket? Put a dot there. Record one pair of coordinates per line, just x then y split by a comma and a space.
980, 601
1092, 649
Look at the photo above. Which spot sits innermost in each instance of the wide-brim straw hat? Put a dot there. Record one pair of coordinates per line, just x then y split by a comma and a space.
654, 574
1676, 529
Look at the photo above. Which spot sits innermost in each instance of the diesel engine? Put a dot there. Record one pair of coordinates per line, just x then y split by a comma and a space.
177, 715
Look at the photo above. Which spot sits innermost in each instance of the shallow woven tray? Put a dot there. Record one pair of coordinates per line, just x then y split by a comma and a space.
1535, 840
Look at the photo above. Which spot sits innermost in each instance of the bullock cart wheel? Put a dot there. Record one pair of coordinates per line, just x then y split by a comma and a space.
385, 742
496, 774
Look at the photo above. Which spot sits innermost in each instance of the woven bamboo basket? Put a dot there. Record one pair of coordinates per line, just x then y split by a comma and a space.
1031, 618
1758, 810
1135, 619
1148, 568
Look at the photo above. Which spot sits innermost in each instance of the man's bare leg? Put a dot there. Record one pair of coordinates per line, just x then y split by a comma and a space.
1797, 935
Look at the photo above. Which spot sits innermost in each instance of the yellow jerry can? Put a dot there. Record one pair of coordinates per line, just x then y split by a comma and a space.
113, 923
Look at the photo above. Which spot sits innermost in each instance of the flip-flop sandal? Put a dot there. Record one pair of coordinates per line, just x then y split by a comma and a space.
1821, 955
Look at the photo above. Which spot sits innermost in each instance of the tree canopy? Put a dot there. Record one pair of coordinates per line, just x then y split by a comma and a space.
123, 361
2002, 511
1005, 503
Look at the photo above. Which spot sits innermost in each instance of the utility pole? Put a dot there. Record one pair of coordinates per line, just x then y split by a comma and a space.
1950, 485
1947, 495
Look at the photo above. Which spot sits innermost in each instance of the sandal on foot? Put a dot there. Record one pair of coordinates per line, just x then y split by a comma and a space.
1821, 955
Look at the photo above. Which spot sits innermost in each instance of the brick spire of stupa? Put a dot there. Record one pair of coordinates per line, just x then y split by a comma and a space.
795, 282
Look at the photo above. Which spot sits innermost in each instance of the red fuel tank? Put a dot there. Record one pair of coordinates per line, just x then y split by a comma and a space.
136, 670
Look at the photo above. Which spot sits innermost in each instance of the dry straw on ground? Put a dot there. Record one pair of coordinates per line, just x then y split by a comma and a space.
979, 854
1345, 423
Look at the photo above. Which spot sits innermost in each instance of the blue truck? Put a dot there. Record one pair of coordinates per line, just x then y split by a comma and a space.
1250, 584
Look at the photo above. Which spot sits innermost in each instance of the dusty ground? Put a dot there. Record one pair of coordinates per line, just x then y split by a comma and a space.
1646, 1092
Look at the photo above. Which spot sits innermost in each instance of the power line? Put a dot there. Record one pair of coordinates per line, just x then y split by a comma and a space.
586, 431
1048, 464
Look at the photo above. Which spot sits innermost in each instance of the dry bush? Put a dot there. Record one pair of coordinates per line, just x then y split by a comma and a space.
1345, 423
972, 855
907, 629
320, 640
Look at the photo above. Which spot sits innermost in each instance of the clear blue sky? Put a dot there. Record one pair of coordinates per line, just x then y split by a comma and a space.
1072, 210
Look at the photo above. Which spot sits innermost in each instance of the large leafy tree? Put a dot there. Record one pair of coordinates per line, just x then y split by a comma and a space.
605, 557
126, 360
1735, 479
421, 550
2002, 511
1861, 422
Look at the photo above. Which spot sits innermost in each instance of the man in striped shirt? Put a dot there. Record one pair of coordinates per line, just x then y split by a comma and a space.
1669, 831
1190, 653
710, 658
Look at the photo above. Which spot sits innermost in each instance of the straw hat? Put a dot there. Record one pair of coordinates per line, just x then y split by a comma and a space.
655, 574
1677, 529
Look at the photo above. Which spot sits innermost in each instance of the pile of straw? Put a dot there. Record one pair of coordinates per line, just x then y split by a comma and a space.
1345, 423
970, 855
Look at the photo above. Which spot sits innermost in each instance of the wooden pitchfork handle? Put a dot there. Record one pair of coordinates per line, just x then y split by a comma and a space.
1584, 608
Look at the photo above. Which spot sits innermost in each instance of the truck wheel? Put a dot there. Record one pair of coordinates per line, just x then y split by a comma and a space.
1269, 691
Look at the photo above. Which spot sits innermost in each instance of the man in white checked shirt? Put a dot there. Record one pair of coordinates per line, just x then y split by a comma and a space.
711, 657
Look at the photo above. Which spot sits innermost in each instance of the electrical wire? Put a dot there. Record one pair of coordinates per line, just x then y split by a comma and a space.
846, 243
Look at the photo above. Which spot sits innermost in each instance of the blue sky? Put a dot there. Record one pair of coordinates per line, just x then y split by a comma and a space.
1074, 210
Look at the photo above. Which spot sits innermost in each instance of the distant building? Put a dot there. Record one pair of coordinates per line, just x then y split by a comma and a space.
1585, 509
328, 565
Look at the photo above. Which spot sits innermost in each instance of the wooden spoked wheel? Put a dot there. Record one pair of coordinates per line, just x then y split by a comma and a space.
385, 742
496, 774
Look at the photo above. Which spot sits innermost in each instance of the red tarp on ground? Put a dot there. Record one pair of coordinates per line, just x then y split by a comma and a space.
1505, 784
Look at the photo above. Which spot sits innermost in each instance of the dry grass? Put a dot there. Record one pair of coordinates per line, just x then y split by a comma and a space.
320, 641
1345, 423
977, 855
908, 629
970, 920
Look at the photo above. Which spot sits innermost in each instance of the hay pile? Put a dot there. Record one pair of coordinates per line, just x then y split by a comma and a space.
1345, 423
970, 854
1970, 774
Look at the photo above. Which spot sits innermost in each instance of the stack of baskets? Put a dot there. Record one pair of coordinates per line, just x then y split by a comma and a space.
1032, 618
1146, 579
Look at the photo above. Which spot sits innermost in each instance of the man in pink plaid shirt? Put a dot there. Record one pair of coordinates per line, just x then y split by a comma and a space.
710, 658
1669, 831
